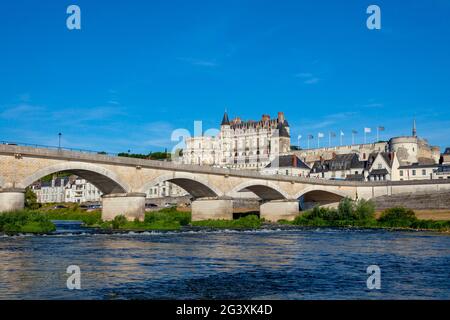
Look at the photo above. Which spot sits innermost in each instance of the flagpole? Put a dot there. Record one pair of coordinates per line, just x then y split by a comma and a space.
353, 138
329, 139
378, 136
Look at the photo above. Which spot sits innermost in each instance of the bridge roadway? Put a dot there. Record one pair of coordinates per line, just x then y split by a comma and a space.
124, 183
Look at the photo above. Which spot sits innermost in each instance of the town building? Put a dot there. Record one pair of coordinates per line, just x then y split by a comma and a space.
51, 191
289, 165
79, 190
66, 189
166, 189
409, 150
341, 167
382, 166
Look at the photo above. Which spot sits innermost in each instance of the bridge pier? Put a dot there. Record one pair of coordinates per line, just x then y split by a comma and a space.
279, 210
212, 208
130, 205
12, 199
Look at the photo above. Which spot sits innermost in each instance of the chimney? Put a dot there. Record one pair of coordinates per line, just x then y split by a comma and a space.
281, 117
294, 161
265, 117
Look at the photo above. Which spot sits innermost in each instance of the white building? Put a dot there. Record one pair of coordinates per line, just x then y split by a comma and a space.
241, 144
51, 191
166, 189
68, 189
80, 191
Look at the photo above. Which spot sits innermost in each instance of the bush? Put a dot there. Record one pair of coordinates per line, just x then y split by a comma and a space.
398, 217
25, 222
365, 210
168, 215
31, 200
360, 213
119, 221
346, 210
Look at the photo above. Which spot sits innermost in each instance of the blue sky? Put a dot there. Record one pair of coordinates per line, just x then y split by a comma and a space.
137, 70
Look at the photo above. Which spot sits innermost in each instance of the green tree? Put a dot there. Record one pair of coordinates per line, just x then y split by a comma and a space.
31, 199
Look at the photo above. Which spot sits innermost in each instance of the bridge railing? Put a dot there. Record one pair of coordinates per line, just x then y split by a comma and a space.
57, 148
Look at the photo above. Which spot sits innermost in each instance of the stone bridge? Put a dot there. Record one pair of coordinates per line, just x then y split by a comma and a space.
125, 182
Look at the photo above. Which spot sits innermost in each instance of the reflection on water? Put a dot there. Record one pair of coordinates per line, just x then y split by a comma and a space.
300, 264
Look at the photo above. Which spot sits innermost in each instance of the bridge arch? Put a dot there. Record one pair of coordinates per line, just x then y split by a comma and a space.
193, 184
266, 190
321, 195
104, 179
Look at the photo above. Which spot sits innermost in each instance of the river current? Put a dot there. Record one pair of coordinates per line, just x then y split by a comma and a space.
267, 264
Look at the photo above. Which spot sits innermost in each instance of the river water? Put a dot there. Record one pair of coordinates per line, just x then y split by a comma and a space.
266, 264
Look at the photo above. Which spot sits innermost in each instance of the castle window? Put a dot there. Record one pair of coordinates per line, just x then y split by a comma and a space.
414, 172
424, 172
401, 173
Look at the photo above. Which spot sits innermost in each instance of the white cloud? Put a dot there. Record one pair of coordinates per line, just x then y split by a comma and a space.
200, 62
308, 78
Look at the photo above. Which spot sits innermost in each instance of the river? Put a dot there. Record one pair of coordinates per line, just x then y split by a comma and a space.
266, 264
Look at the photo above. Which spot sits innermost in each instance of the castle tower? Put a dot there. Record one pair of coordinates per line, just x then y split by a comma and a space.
225, 139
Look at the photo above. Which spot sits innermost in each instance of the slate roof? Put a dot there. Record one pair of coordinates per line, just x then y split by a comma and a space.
355, 177
387, 156
267, 123
288, 161
377, 172
419, 165
225, 120
59, 182
282, 131
338, 163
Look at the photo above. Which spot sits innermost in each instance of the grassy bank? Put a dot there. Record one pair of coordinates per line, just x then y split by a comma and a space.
165, 219
348, 214
248, 222
362, 214
73, 212
25, 222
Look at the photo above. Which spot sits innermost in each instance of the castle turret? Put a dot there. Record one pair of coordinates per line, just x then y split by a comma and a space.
225, 120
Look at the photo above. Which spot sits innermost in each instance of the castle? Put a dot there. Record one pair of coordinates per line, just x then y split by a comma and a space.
241, 144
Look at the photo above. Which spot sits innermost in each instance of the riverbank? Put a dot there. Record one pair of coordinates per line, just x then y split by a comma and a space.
349, 214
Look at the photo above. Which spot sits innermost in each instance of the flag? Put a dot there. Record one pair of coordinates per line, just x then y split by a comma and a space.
299, 137
332, 134
342, 133
380, 128
310, 136
320, 135
367, 130
354, 132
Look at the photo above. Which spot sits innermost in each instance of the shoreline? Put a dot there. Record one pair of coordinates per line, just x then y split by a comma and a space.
189, 229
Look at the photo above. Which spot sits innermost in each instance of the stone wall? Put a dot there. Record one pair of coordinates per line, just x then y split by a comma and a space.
436, 200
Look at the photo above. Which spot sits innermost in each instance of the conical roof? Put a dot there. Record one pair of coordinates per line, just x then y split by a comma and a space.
225, 120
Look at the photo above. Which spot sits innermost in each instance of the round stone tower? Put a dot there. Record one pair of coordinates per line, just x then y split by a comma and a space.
405, 147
